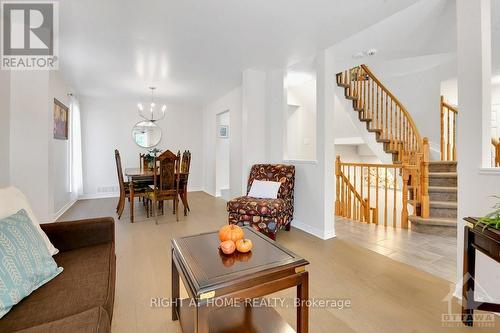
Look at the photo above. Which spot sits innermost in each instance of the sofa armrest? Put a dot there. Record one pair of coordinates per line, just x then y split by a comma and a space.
71, 235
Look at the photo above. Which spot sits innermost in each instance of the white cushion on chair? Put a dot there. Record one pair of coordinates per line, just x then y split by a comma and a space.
264, 189
13, 200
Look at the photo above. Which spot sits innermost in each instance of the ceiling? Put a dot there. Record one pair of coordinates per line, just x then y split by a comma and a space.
194, 51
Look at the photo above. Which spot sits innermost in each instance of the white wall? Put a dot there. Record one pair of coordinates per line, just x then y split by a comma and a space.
254, 124
4, 127
315, 182
356, 154
30, 131
232, 102
475, 185
222, 152
301, 122
59, 157
258, 120
107, 125
39, 165
420, 93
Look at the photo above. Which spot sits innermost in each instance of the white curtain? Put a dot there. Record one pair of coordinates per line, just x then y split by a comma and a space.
76, 149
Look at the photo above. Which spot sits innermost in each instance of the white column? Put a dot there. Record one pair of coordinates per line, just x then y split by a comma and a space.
474, 81
276, 116
473, 133
325, 101
253, 130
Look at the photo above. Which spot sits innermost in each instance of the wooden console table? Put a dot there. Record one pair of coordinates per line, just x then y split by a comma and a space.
486, 241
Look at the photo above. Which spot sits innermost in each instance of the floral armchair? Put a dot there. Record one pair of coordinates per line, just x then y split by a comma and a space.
266, 215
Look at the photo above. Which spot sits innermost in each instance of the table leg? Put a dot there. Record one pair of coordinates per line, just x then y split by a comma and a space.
131, 201
303, 308
202, 319
469, 274
175, 290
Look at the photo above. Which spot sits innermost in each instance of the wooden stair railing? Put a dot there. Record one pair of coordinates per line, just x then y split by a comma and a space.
496, 144
393, 126
365, 190
349, 202
449, 115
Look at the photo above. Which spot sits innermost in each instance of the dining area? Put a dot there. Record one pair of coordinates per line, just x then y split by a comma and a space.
159, 178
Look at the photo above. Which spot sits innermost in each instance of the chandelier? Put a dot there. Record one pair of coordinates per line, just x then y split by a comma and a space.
151, 111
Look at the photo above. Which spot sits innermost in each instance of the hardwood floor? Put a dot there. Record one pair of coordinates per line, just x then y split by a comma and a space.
386, 295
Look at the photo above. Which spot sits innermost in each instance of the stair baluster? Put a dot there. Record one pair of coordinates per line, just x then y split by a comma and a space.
448, 131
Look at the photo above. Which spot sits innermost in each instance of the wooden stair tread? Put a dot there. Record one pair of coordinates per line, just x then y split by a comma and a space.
438, 188
443, 162
442, 189
380, 140
443, 204
435, 221
443, 174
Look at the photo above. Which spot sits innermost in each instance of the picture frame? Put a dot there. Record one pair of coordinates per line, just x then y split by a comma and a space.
61, 120
223, 131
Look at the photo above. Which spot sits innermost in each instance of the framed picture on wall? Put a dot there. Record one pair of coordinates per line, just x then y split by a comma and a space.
223, 131
61, 120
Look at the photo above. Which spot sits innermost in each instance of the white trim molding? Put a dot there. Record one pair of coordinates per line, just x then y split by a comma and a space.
312, 230
63, 210
99, 196
489, 171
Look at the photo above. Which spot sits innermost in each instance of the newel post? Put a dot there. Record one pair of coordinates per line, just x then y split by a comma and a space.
406, 177
424, 208
442, 128
367, 211
337, 196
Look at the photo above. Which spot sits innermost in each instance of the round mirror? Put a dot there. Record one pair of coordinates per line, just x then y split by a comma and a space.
146, 134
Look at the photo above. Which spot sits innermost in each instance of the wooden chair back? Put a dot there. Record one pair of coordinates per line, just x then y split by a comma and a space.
142, 161
119, 171
186, 161
166, 175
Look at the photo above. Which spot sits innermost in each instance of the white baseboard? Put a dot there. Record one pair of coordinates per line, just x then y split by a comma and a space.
210, 194
99, 196
312, 230
195, 189
117, 194
63, 210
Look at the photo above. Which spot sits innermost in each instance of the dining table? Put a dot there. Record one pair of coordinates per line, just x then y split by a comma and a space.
135, 175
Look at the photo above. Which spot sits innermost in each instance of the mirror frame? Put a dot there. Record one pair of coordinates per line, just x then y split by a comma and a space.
155, 125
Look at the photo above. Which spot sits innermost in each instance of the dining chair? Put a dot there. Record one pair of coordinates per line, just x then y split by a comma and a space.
139, 189
142, 161
185, 164
165, 183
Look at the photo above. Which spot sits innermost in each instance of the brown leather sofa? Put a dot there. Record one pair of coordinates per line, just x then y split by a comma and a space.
81, 298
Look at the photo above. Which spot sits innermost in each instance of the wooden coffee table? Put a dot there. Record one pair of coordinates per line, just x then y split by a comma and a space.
217, 285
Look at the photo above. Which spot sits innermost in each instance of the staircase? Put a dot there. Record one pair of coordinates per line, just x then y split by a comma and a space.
382, 113
432, 186
442, 218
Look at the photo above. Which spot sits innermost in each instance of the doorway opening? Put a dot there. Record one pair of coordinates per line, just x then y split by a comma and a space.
222, 155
